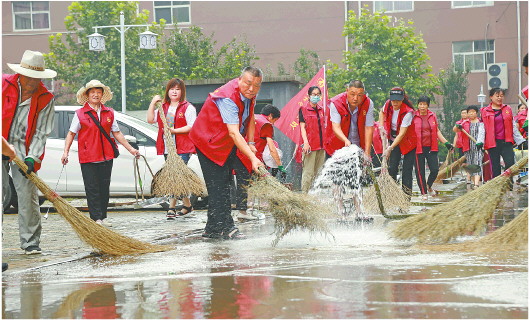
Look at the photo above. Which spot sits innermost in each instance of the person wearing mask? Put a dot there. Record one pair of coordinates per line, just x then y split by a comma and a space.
396, 123
27, 120
501, 132
219, 132
312, 123
96, 150
180, 116
474, 152
263, 137
428, 133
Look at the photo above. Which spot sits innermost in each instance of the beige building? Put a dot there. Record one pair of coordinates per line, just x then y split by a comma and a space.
470, 33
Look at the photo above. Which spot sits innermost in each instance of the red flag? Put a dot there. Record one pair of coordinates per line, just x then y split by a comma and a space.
289, 123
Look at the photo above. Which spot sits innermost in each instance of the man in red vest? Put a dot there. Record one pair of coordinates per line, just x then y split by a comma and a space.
219, 132
351, 121
27, 120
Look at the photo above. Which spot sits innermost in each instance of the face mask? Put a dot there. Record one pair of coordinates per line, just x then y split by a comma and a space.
314, 99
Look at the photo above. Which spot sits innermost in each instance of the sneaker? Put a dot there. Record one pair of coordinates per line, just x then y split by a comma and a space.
100, 222
33, 249
243, 216
107, 223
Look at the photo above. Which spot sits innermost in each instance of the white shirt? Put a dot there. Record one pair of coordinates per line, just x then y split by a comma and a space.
190, 115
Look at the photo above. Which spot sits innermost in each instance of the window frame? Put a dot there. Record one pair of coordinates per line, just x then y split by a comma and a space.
490, 4
471, 53
31, 13
393, 7
171, 7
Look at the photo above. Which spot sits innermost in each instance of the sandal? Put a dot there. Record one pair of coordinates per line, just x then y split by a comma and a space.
188, 209
171, 214
233, 234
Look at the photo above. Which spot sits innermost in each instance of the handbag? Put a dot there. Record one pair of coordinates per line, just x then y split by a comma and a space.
114, 147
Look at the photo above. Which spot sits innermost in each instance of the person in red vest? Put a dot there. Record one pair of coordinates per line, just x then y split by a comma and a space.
456, 140
96, 150
520, 118
27, 120
377, 146
524, 91
180, 116
501, 132
263, 137
351, 119
397, 125
219, 132
312, 123
474, 152
428, 134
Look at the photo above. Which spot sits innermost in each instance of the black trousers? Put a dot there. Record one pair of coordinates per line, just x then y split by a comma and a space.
432, 162
376, 158
218, 179
408, 164
96, 177
505, 150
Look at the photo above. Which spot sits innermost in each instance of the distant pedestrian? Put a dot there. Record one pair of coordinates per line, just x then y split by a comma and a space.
456, 142
312, 124
396, 119
520, 119
474, 152
27, 120
96, 149
219, 132
180, 116
428, 134
501, 132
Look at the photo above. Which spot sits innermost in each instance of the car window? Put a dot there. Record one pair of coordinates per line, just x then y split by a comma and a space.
55, 130
70, 117
141, 138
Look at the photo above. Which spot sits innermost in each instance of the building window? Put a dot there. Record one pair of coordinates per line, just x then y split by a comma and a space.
470, 4
31, 15
174, 12
473, 55
393, 6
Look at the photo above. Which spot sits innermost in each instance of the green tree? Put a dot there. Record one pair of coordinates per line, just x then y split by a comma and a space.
453, 84
307, 65
76, 64
383, 55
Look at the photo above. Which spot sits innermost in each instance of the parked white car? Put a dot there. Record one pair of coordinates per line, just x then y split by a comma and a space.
68, 181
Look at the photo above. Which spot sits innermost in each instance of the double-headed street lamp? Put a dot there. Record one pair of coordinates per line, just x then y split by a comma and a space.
96, 42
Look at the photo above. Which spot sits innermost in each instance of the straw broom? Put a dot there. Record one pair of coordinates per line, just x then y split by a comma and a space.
448, 159
291, 211
74, 300
89, 231
175, 178
393, 196
511, 237
450, 170
467, 214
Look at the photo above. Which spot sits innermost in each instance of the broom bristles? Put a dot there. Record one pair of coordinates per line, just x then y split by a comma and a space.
468, 213
511, 237
450, 170
89, 231
291, 211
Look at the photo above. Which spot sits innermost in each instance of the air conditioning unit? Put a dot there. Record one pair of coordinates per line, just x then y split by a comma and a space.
498, 75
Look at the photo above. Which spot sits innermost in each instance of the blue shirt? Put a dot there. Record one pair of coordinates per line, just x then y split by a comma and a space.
353, 136
230, 112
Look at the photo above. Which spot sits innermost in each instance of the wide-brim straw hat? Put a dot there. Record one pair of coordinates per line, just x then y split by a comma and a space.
82, 96
32, 65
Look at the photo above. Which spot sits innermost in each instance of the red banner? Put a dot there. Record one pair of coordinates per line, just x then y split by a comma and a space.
289, 123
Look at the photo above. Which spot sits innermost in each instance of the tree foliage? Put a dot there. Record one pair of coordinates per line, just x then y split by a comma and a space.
383, 55
187, 55
307, 65
453, 84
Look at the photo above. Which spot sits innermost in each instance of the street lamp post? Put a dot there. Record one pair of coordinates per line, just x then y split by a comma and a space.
96, 42
481, 97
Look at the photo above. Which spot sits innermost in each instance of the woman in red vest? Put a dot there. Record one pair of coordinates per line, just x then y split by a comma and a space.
501, 131
96, 149
180, 116
397, 126
520, 118
312, 121
474, 152
428, 134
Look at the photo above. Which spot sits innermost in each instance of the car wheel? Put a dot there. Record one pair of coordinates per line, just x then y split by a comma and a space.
10, 197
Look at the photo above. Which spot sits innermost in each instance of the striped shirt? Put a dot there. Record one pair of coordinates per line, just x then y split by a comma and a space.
19, 127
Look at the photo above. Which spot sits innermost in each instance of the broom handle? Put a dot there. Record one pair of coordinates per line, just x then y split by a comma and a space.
377, 191
167, 133
472, 138
45, 189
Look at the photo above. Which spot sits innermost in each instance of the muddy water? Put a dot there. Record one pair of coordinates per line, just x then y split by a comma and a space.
362, 273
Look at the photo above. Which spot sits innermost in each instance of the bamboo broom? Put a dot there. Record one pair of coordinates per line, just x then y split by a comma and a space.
291, 211
511, 237
446, 162
89, 231
450, 170
175, 178
467, 214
